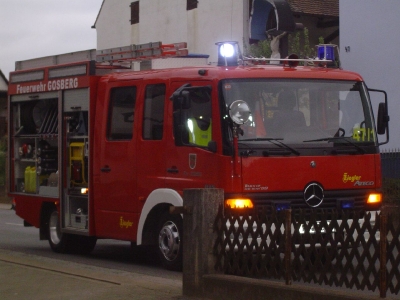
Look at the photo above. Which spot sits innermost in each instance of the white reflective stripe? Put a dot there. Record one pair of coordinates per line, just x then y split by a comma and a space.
156, 197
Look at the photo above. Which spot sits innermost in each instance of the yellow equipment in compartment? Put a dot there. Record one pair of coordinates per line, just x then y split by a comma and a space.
30, 180
77, 164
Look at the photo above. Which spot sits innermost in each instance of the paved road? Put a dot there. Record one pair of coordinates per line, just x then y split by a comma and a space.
30, 270
107, 253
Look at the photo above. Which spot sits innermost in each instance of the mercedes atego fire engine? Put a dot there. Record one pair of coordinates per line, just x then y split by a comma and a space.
98, 150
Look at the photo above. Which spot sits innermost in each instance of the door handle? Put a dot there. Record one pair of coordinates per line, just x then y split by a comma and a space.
105, 169
173, 170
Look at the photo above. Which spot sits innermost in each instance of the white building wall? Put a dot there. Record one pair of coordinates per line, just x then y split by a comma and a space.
113, 25
3, 85
168, 21
216, 21
160, 20
370, 29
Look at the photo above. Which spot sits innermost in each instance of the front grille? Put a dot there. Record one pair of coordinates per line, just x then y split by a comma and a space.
332, 199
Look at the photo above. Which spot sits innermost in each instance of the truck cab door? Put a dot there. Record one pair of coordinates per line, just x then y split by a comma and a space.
114, 163
191, 158
151, 140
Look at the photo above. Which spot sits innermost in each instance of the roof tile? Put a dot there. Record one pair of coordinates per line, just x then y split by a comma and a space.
315, 7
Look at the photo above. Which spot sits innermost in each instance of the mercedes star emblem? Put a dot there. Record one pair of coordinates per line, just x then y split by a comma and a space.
314, 194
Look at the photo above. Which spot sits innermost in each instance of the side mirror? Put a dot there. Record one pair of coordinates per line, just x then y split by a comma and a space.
181, 133
181, 100
183, 97
383, 118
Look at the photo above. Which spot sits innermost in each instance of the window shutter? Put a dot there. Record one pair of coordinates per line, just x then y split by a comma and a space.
134, 12
191, 4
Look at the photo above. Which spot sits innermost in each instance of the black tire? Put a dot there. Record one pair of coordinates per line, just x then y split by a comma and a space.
58, 241
169, 241
67, 243
79, 244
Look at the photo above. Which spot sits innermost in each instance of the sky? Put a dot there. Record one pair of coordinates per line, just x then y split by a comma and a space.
36, 28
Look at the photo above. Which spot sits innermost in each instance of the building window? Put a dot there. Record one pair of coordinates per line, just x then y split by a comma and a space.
191, 4
135, 12
153, 120
121, 113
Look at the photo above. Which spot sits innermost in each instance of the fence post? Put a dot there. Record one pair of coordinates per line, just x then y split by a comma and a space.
198, 237
288, 246
382, 254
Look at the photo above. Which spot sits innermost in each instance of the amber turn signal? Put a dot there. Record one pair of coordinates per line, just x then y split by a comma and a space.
374, 198
239, 203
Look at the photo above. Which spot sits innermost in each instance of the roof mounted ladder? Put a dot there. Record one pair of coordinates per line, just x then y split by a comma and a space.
141, 52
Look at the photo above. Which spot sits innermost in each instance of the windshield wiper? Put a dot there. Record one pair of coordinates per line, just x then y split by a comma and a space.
337, 138
277, 142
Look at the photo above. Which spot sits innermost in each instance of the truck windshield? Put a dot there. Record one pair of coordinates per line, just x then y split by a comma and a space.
304, 112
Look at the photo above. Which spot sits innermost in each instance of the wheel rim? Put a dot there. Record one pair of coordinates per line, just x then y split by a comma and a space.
169, 241
54, 228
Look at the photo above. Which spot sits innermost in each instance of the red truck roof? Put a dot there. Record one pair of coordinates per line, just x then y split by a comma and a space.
215, 72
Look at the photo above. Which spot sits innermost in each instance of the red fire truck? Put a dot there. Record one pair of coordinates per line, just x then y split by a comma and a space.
98, 150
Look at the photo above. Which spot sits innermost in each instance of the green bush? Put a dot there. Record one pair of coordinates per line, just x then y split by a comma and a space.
299, 44
261, 49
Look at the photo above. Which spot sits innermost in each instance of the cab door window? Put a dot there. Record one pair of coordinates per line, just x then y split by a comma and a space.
121, 113
192, 116
199, 119
153, 120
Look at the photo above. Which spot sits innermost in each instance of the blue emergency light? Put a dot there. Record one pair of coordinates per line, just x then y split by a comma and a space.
347, 204
282, 206
326, 52
228, 53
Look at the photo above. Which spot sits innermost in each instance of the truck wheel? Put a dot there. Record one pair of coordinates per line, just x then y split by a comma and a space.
79, 244
67, 243
58, 241
170, 242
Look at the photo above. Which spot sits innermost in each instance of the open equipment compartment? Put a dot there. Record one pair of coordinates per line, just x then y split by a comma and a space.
34, 143
76, 143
